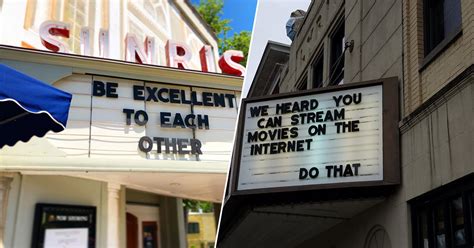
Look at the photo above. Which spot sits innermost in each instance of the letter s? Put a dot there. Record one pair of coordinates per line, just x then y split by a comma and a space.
48, 30
229, 62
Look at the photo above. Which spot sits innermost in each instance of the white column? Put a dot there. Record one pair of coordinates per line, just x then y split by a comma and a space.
181, 225
113, 215
4, 190
115, 27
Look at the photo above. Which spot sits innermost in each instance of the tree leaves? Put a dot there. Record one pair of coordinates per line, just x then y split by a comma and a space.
211, 11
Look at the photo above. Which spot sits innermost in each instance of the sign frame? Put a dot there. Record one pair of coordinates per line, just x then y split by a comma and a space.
39, 228
390, 137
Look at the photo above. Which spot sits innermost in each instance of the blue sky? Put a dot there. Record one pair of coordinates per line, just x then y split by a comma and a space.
240, 12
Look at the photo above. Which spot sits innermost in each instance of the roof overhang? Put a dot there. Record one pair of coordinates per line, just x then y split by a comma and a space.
274, 57
71, 63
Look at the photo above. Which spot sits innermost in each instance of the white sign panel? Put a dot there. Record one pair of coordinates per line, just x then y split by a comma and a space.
66, 238
315, 139
133, 119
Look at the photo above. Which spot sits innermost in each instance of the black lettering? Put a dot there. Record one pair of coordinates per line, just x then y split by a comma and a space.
311, 117
303, 173
145, 144
259, 123
355, 126
194, 99
137, 117
356, 168
189, 120
165, 119
314, 104
294, 132
313, 172
207, 99
196, 146
178, 121
337, 100
347, 99
273, 148
158, 141
138, 92
111, 90
262, 136
299, 145
203, 121
152, 94
304, 106
182, 144
170, 143
252, 137
357, 98
348, 171
281, 147
259, 111
328, 116
128, 115
308, 143
98, 88
338, 170
183, 98
294, 119
160, 95
219, 100
339, 114
317, 130
174, 96
296, 107
329, 169
230, 99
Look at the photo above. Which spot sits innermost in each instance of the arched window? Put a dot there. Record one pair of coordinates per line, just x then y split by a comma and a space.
377, 238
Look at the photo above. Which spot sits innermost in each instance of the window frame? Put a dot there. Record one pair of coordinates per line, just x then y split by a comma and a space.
445, 43
193, 224
319, 60
444, 196
340, 23
303, 83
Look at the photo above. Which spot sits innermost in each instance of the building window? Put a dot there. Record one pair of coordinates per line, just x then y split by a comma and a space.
76, 13
276, 89
442, 21
444, 218
337, 56
193, 227
303, 85
318, 72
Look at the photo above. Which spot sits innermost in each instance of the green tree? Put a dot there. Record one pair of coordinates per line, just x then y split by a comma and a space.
195, 205
211, 11
240, 41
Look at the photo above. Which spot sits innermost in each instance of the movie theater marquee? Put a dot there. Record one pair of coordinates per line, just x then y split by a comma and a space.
330, 137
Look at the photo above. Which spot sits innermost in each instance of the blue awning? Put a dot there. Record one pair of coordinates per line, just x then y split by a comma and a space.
29, 107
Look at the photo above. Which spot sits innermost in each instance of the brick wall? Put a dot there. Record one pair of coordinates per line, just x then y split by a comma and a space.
422, 83
374, 26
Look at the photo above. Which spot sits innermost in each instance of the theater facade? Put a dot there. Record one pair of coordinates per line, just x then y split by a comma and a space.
151, 122
359, 133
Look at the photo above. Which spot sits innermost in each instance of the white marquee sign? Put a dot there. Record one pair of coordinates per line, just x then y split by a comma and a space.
131, 119
310, 139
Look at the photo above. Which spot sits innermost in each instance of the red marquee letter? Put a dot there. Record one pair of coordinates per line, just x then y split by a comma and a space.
134, 53
177, 54
229, 62
207, 60
48, 30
